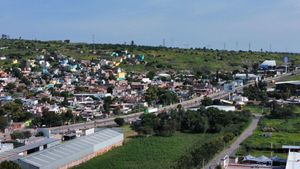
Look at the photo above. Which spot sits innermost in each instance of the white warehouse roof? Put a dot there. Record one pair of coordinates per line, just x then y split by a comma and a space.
293, 160
269, 63
70, 151
222, 108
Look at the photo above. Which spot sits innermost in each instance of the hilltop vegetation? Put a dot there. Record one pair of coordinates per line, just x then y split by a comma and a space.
156, 58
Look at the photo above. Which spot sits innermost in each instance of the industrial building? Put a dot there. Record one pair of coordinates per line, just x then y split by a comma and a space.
268, 64
74, 152
22, 151
292, 86
293, 160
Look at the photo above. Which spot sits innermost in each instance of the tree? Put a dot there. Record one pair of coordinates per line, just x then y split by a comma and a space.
217, 102
3, 122
256, 92
207, 101
282, 112
48, 119
110, 89
132, 43
107, 103
119, 121
67, 116
150, 75
10, 86
151, 94
219, 167
255, 67
16, 111
9, 165
20, 135
161, 96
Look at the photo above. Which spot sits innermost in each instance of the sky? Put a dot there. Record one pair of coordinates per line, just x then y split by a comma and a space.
220, 24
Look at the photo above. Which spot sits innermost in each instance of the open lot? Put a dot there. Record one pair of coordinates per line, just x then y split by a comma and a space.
284, 132
147, 152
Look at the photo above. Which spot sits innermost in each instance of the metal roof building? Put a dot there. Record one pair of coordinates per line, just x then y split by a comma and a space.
73, 152
222, 108
17, 153
293, 160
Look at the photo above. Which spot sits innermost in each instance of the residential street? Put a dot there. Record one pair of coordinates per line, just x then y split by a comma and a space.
234, 146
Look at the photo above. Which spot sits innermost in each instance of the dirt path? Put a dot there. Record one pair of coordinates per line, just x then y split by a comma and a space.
235, 145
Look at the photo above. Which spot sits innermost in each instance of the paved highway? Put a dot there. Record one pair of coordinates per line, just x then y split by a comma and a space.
131, 117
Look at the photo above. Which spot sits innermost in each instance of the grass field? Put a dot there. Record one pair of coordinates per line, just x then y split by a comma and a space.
128, 132
292, 78
286, 132
257, 109
146, 152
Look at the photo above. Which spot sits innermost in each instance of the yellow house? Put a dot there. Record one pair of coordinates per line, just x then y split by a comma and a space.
15, 61
121, 76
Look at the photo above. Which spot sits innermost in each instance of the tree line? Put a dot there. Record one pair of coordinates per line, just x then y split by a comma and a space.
202, 121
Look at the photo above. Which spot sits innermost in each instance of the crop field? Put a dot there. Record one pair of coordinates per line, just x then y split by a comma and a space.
147, 152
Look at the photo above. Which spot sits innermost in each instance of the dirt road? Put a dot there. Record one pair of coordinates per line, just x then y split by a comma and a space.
235, 145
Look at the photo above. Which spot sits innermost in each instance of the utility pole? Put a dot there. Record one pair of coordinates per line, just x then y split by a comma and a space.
271, 150
93, 39
249, 46
172, 42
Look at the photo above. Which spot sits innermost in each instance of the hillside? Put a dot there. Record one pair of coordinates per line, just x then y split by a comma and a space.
156, 58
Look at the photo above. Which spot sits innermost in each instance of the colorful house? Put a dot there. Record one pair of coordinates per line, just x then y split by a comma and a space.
121, 76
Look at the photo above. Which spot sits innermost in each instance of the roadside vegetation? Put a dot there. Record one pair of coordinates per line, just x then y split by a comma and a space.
280, 127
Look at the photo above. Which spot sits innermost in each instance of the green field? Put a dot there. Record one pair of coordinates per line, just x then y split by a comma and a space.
292, 78
285, 132
147, 152
257, 109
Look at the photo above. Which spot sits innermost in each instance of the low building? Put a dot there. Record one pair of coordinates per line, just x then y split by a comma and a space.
73, 152
25, 150
244, 76
249, 162
268, 64
222, 108
293, 160
292, 86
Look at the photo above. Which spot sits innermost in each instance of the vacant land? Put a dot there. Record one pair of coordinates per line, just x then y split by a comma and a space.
147, 152
257, 109
283, 132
